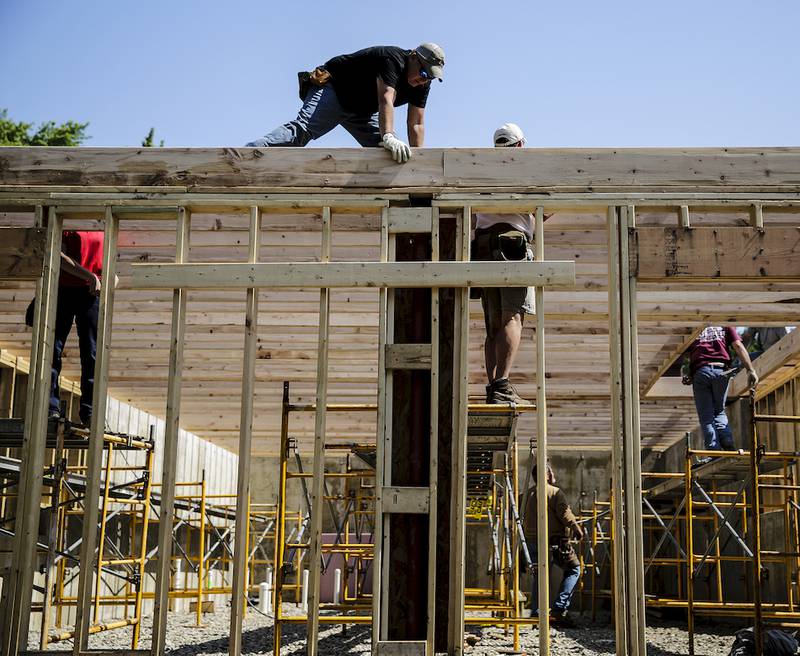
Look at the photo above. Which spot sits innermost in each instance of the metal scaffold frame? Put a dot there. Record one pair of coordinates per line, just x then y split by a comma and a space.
722, 503
124, 499
351, 515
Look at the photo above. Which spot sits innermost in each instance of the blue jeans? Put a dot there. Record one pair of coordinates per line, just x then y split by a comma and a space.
320, 113
79, 305
710, 389
571, 574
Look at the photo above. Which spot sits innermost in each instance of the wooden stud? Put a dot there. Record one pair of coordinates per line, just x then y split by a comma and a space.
458, 501
757, 216
433, 483
318, 484
171, 433
631, 444
684, 216
542, 537
94, 458
383, 447
617, 453
239, 588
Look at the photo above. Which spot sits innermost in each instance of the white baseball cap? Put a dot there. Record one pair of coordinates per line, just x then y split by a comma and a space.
508, 134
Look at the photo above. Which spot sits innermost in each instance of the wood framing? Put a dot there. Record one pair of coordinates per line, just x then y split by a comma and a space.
623, 263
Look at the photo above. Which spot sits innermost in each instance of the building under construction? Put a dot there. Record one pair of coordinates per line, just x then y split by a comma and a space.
289, 423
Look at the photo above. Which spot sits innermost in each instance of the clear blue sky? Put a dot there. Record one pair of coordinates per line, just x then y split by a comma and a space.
573, 74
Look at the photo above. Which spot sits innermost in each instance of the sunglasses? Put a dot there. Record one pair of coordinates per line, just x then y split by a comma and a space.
424, 74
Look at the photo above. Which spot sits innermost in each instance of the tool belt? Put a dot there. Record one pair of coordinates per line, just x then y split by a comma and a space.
319, 77
499, 243
563, 553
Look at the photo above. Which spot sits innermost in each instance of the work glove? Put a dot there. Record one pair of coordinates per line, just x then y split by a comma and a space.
752, 378
401, 152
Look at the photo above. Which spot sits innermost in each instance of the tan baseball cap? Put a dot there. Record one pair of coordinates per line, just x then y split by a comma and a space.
431, 57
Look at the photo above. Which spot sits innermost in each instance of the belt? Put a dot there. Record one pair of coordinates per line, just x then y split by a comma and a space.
715, 365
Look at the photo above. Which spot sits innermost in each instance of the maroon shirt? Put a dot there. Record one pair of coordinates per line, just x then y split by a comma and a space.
86, 248
713, 345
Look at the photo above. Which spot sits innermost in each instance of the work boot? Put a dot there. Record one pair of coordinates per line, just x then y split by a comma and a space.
561, 620
488, 393
501, 391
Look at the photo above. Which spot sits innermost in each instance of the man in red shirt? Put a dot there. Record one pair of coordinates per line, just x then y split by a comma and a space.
78, 301
709, 357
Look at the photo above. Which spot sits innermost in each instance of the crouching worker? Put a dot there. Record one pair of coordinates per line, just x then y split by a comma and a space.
561, 526
359, 91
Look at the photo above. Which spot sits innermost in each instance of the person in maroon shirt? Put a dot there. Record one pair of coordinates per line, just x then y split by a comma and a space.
78, 302
709, 358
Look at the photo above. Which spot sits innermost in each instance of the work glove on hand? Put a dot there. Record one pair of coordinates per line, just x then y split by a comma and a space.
401, 152
752, 378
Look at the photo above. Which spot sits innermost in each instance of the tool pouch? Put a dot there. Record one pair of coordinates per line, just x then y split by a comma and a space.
563, 553
319, 77
512, 246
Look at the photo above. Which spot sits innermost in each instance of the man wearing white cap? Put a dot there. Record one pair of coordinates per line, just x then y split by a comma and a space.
503, 237
359, 91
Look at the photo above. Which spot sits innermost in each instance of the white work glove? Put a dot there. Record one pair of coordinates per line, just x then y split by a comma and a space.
401, 152
752, 378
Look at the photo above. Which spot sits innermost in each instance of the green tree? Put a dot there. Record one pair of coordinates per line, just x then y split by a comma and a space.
14, 133
149, 140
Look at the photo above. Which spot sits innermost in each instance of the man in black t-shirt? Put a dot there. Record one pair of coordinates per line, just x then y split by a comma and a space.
359, 91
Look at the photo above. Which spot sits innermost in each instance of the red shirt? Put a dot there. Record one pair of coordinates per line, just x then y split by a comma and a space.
86, 248
713, 345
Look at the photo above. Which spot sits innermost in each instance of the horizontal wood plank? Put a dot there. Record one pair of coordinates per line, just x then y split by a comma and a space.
723, 253
203, 169
353, 274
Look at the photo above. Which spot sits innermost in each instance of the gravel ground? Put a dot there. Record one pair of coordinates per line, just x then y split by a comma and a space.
185, 639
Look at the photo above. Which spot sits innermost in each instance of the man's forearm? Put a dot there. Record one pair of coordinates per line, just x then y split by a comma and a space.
416, 135
386, 117
744, 356
68, 265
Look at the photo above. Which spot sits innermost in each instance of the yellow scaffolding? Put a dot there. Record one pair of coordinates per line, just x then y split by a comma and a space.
353, 522
691, 511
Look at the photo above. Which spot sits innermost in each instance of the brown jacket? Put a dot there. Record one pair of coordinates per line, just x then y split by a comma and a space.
560, 519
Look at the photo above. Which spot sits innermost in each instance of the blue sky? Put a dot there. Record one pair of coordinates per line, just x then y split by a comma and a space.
572, 74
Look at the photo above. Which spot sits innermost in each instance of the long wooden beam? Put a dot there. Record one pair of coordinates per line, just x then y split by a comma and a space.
203, 169
353, 274
774, 367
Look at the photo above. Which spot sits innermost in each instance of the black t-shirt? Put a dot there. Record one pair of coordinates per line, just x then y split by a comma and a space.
354, 78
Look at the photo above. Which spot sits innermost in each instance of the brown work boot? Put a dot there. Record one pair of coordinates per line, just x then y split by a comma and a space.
501, 391
561, 620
